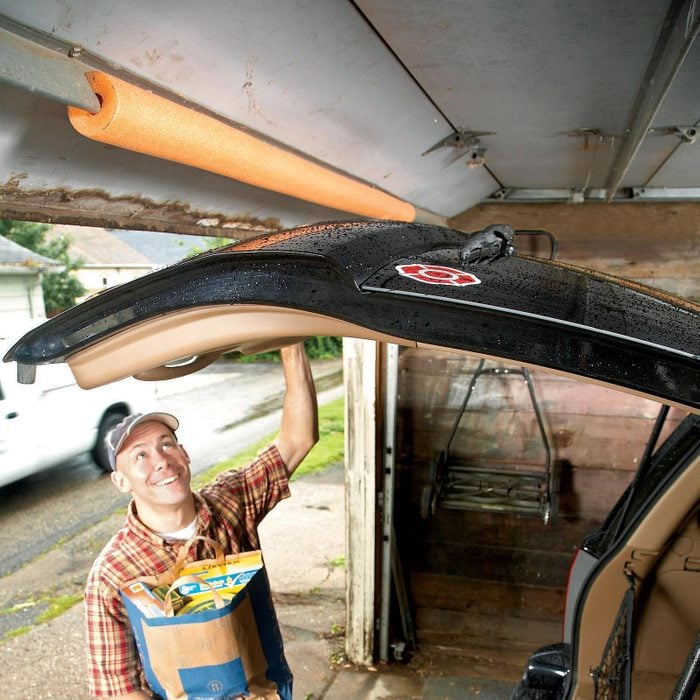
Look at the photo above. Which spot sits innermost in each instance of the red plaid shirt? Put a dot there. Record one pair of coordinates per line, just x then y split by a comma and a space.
228, 511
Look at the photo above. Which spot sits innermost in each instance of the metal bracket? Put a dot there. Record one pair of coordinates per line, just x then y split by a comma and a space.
687, 134
462, 140
398, 650
40, 64
591, 134
670, 194
578, 195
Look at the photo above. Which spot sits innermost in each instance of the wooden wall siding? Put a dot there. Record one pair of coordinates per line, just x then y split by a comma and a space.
494, 579
654, 243
494, 547
480, 575
597, 435
446, 628
487, 597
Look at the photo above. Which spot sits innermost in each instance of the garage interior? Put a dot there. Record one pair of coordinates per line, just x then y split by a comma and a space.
578, 119
483, 589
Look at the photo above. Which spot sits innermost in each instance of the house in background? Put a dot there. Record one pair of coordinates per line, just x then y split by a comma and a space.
163, 248
105, 260
115, 257
21, 295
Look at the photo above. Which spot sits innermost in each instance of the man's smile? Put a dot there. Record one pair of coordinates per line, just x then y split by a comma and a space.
166, 482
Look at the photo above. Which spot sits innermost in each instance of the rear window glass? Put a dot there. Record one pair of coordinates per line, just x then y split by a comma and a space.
670, 459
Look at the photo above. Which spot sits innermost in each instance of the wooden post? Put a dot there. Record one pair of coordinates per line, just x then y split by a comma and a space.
360, 361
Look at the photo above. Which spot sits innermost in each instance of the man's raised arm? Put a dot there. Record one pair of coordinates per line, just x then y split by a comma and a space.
299, 425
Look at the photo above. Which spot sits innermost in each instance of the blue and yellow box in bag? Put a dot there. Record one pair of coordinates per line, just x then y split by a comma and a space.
220, 642
227, 577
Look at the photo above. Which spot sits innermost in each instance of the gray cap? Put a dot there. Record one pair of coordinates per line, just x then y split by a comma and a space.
116, 437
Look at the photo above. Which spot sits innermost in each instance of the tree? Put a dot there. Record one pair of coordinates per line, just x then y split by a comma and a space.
61, 289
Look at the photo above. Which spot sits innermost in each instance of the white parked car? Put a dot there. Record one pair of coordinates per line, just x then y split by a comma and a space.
53, 420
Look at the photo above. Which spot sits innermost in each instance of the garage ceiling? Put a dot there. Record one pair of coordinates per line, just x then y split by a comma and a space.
443, 105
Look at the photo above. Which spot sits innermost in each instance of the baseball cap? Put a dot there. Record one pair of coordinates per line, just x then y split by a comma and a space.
116, 437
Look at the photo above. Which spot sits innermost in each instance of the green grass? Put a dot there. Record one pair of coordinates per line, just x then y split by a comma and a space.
16, 633
57, 605
337, 562
328, 450
318, 347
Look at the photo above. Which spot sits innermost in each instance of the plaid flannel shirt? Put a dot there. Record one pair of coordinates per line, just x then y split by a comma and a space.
228, 511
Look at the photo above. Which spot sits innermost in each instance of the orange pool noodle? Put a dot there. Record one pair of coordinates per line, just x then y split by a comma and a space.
140, 121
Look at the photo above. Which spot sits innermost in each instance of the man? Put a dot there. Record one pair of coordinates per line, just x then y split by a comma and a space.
153, 467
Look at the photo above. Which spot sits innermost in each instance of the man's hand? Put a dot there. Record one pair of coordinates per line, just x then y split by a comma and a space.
299, 425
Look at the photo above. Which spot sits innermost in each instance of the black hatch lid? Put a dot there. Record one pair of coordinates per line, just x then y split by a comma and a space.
409, 281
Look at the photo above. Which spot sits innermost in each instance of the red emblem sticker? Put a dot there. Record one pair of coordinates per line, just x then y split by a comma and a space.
437, 274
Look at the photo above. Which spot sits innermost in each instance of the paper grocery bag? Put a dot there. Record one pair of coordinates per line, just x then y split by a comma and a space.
215, 654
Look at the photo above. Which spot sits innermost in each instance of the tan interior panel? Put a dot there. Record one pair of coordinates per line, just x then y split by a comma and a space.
201, 331
668, 609
655, 534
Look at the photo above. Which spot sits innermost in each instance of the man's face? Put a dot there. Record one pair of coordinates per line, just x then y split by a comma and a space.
153, 467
